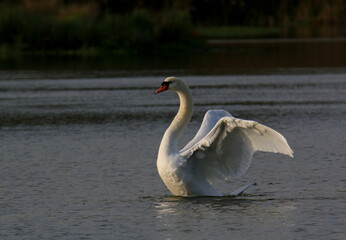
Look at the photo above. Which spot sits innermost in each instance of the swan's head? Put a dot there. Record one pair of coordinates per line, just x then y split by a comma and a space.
172, 84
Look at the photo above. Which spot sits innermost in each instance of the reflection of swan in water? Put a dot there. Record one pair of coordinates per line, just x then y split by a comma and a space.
204, 214
222, 148
171, 205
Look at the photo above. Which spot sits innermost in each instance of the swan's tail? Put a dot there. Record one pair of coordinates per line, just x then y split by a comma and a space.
242, 189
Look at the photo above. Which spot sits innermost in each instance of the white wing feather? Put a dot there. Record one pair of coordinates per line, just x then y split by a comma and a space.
223, 147
210, 119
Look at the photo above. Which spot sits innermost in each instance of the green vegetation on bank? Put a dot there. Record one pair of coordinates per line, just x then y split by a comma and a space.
133, 32
136, 26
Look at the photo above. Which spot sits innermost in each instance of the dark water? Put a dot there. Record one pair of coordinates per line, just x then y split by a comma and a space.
78, 152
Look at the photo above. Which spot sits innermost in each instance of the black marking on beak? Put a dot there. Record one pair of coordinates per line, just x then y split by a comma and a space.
164, 87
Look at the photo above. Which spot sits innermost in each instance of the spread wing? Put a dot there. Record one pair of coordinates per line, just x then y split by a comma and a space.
223, 147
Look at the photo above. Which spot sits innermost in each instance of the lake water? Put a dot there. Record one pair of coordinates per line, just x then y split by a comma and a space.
78, 149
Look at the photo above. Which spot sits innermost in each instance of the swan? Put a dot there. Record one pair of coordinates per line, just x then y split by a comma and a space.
222, 148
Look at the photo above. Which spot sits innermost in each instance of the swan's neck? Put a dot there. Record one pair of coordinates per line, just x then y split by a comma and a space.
170, 139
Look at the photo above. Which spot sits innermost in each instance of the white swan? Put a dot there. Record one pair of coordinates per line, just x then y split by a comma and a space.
222, 148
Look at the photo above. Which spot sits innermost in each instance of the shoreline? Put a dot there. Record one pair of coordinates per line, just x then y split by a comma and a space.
215, 42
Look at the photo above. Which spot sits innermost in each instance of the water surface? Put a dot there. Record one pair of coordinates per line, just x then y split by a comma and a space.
78, 151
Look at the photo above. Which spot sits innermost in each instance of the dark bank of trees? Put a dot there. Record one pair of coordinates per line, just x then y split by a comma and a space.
147, 26
237, 12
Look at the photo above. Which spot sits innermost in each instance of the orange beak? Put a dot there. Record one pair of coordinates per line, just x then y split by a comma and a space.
161, 89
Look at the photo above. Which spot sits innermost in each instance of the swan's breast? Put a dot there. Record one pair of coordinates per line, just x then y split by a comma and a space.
175, 176
174, 183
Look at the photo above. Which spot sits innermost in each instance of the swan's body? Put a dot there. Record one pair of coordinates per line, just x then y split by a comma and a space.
222, 148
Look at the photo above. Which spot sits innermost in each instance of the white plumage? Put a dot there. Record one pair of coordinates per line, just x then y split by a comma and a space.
222, 148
